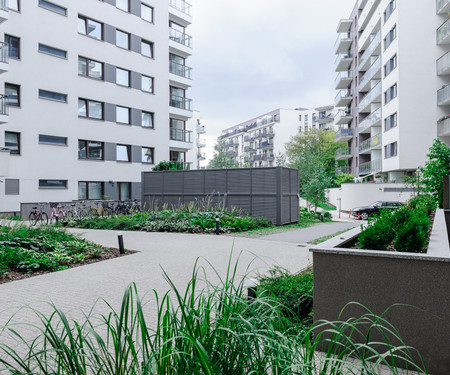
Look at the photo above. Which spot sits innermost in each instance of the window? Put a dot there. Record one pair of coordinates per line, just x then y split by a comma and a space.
124, 190
12, 142
306, 118
52, 140
123, 153
147, 154
178, 131
389, 9
147, 48
11, 186
390, 65
90, 150
90, 109
390, 150
390, 94
122, 39
90, 68
177, 96
53, 7
52, 51
147, 119
90, 28
122, 115
90, 190
146, 12
123, 4
147, 83
52, 184
391, 35
14, 5
44, 94
299, 117
390, 122
123, 77
12, 93
13, 46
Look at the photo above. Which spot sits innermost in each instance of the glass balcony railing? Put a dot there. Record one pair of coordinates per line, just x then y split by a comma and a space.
441, 5
443, 127
180, 102
370, 97
443, 32
343, 133
373, 118
180, 69
179, 37
443, 64
201, 143
340, 170
373, 166
182, 6
343, 95
201, 129
343, 151
4, 5
181, 135
3, 105
370, 143
342, 76
4, 52
443, 95
266, 145
365, 79
370, 50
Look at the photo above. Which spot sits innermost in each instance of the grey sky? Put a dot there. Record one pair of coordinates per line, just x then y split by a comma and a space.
253, 56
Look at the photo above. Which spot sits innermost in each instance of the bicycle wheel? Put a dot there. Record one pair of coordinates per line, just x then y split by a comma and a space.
95, 212
33, 218
44, 218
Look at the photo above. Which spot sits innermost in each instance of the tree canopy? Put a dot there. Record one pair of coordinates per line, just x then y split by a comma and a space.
222, 158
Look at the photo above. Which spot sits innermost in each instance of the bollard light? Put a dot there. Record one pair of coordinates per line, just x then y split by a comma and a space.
252, 286
120, 238
217, 226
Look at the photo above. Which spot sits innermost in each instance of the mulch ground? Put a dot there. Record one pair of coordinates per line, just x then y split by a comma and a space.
111, 254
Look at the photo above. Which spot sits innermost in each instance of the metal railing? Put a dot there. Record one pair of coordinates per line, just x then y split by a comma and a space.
180, 135
370, 73
370, 120
373, 166
4, 52
443, 31
3, 105
370, 143
343, 151
340, 170
443, 95
180, 69
181, 102
179, 37
370, 97
443, 63
266, 145
182, 6
370, 49
440, 4
341, 133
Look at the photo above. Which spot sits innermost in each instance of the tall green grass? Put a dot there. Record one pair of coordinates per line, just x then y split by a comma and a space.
208, 329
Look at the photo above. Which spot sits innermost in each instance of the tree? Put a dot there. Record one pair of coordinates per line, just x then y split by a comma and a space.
222, 158
342, 178
314, 188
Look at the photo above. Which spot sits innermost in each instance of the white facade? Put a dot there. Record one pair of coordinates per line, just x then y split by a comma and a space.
259, 141
387, 69
92, 97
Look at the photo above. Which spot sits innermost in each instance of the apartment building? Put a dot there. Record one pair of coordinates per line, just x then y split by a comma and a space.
93, 93
386, 64
257, 142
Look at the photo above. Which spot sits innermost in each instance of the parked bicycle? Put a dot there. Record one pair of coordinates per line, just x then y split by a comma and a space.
38, 215
128, 207
78, 210
57, 212
106, 209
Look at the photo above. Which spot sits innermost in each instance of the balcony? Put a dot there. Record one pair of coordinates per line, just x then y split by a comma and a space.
343, 117
443, 65
443, 33
343, 43
343, 153
4, 57
343, 98
180, 135
442, 7
343, 135
181, 5
4, 10
249, 149
343, 61
201, 143
340, 170
373, 96
443, 127
370, 144
201, 156
374, 48
367, 13
180, 69
201, 129
324, 119
373, 166
232, 153
343, 80
265, 145
182, 165
180, 102
3, 109
374, 119
443, 96
374, 72
179, 37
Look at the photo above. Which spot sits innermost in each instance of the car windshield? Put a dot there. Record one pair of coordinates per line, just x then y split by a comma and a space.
376, 204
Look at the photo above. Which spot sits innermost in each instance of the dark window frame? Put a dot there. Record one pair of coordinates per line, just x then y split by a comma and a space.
390, 122
390, 94
52, 143
152, 50
18, 94
87, 141
86, 27
102, 184
152, 10
119, 189
128, 147
129, 77
152, 114
390, 37
87, 60
124, 10
153, 84
128, 39
391, 150
52, 48
18, 7
129, 115
41, 91
42, 186
19, 143
153, 155
390, 65
11, 56
87, 101
43, 3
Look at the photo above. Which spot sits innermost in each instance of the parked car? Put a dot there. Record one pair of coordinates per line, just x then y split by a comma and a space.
374, 209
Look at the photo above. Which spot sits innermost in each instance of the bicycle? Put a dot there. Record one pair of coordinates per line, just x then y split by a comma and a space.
77, 213
106, 209
128, 207
38, 216
57, 212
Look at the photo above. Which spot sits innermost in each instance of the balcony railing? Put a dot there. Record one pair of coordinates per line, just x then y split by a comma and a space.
201, 129
365, 79
443, 127
443, 64
373, 118
373, 166
442, 6
249, 149
343, 117
343, 97
343, 151
370, 143
266, 145
443, 32
182, 6
343, 133
180, 69
342, 76
4, 5
201, 143
181, 102
179, 37
264, 157
4, 52
181, 135
370, 49
370, 97
443, 95
201, 156
4, 105
340, 170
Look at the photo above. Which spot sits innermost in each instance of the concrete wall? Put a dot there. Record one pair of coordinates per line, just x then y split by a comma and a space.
353, 195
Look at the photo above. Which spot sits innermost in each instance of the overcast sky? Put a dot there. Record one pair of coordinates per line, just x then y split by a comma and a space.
254, 56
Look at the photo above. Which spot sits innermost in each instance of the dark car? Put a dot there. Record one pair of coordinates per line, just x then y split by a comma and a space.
374, 209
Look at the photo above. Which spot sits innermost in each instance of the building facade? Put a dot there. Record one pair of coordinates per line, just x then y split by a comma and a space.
92, 99
259, 141
387, 83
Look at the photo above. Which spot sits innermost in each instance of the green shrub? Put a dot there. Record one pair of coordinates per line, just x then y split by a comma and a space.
424, 202
378, 234
412, 235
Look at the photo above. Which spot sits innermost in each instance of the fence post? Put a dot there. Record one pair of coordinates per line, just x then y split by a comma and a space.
446, 193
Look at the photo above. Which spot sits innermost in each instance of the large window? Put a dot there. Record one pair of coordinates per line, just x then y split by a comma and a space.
124, 191
51, 95
147, 84
13, 46
390, 36
390, 150
90, 68
147, 119
147, 154
147, 48
123, 77
91, 109
123, 153
52, 184
122, 39
389, 9
14, 5
390, 65
123, 4
390, 122
90, 27
52, 140
177, 96
178, 132
390, 94
53, 7
52, 51
12, 142
90, 190
90, 150
146, 12
122, 115
12, 93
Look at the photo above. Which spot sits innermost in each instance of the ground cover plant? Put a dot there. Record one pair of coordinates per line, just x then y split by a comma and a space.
25, 249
